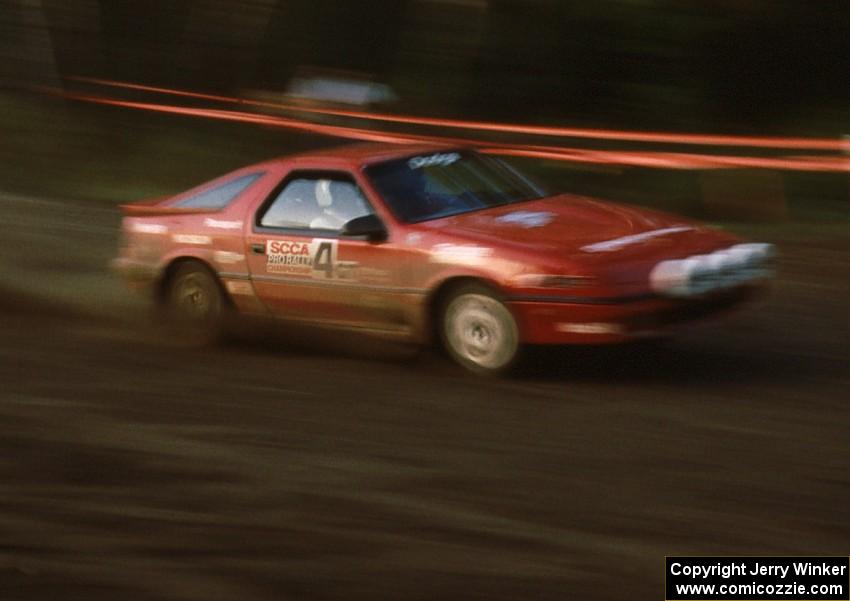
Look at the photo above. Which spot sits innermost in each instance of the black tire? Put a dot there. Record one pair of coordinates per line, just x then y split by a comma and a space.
194, 305
478, 331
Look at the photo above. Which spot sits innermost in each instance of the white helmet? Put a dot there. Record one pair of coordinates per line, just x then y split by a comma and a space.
323, 193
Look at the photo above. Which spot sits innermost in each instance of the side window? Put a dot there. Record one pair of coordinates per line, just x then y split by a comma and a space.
220, 196
314, 202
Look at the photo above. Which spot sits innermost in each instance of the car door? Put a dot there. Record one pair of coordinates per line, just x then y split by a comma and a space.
304, 268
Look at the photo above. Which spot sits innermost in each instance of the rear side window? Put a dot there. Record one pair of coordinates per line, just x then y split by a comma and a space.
220, 196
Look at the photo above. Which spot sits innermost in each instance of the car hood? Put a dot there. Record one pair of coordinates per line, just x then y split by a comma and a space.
583, 227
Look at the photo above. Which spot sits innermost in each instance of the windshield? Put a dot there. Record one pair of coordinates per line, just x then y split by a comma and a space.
430, 186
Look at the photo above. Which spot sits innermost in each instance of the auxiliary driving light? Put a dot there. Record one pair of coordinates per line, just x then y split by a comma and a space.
725, 268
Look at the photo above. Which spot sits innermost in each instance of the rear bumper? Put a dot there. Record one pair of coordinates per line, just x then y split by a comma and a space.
613, 320
136, 274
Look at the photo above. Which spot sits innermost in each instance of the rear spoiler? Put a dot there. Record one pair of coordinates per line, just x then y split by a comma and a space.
152, 208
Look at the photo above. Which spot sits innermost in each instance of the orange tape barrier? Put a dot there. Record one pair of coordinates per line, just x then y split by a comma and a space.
665, 160
600, 134
684, 161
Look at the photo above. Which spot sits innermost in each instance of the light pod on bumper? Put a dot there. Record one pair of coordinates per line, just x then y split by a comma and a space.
724, 268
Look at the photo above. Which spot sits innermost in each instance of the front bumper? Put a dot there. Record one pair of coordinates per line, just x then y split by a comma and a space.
612, 320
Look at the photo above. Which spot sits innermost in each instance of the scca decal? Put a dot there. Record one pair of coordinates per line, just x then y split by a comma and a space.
283, 247
316, 258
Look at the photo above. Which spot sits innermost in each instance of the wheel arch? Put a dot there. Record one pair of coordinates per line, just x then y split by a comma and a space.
173, 265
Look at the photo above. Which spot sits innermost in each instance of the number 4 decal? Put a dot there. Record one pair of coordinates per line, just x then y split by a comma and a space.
324, 258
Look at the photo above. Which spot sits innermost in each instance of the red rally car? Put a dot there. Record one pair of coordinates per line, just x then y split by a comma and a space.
426, 243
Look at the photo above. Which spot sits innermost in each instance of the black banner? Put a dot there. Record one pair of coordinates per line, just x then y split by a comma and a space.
757, 578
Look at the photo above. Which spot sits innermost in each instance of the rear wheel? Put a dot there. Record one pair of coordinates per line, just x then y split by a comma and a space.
478, 331
195, 305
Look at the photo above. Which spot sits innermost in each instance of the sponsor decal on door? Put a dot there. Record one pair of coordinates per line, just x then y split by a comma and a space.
316, 258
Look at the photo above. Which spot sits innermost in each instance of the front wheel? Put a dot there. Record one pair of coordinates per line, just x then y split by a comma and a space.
479, 331
195, 306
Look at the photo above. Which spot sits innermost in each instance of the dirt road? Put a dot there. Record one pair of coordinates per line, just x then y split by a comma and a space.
289, 469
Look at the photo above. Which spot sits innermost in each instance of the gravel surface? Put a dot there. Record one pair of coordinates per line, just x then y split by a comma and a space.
296, 467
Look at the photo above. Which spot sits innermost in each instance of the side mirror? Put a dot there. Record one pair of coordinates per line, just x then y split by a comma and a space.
368, 226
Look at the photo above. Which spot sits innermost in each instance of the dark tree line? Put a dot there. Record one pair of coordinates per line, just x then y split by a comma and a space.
736, 65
